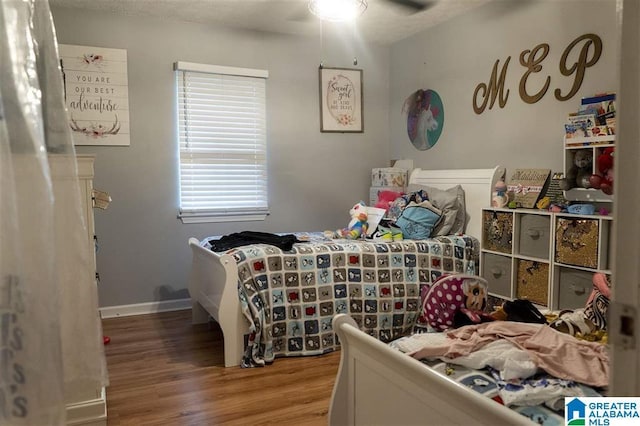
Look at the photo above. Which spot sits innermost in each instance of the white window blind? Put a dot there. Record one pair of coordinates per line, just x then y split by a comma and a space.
222, 138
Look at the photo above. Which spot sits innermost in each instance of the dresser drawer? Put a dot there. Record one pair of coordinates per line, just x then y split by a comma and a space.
533, 281
496, 270
574, 287
534, 235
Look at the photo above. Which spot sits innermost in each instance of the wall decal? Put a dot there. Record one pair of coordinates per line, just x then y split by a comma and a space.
588, 55
341, 100
96, 93
528, 59
425, 118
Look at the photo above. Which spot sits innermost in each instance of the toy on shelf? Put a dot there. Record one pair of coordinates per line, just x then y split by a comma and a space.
357, 227
500, 197
543, 203
603, 180
580, 172
581, 208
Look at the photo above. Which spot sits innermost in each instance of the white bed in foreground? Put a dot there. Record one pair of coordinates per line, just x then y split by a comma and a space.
213, 277
378, 385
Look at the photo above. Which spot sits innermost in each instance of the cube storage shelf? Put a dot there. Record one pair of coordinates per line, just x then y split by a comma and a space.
595, 144
548, 258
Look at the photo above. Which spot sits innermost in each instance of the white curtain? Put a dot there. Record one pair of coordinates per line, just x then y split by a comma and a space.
50, 330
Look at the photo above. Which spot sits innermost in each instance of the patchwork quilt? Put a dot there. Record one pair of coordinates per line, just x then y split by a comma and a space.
290, 297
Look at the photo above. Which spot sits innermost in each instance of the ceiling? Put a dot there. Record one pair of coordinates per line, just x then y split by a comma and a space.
384, 22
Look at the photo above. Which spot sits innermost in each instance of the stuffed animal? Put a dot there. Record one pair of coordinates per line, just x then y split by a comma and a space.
357, 226
579, 174
603, 180
386, 197
454, 300
500, 197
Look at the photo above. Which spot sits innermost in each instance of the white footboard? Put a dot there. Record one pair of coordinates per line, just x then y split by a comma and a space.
377, 385
213, 287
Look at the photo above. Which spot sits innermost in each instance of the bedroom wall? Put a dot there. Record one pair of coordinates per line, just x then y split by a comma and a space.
314, 177
456, 56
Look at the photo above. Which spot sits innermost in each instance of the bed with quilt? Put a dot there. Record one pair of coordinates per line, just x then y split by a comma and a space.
275, 301
426, 381
514, 365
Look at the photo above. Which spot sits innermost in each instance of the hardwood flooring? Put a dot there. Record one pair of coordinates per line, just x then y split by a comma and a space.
165, 371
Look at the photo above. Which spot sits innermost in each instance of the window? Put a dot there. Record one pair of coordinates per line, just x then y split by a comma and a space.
223, 143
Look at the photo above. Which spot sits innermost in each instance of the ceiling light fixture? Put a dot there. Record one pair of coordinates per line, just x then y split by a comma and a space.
337, 10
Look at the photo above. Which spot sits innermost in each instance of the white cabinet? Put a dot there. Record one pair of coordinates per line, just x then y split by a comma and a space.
85, 404
548, 258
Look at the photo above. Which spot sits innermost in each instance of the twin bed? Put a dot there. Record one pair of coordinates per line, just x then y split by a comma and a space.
366, 293
213, 278
378, 385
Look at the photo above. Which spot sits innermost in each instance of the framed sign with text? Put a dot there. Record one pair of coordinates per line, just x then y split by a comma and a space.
96, 94
526, 185
341, 100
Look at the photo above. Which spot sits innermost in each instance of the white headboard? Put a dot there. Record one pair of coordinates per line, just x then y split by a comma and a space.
477, 184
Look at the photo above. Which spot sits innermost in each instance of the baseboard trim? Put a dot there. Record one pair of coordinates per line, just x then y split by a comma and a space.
92, 412
145, 308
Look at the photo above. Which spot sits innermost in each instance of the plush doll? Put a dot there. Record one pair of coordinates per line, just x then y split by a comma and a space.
386, 197
455, 300
500, 197
579, 174
603, 180
357, 226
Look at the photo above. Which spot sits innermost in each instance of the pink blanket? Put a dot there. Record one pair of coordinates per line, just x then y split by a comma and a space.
557, 353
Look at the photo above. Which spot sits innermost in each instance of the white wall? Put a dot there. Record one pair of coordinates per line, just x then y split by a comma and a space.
454, 57
315, 177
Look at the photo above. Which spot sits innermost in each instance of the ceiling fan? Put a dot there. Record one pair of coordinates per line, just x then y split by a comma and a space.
413, 6
344, 10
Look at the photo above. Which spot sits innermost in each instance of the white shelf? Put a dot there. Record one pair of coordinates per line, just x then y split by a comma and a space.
596, 144
529, 262
575, 143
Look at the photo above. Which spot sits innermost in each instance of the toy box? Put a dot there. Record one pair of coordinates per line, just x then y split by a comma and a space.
389, 176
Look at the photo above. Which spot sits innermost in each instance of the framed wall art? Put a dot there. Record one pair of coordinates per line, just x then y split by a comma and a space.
96, 93
341, 100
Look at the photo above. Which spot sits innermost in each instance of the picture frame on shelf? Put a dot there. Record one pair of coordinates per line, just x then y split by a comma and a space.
341, 100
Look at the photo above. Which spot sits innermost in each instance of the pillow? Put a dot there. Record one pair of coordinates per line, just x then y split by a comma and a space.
395, 208
417, 220
451, 202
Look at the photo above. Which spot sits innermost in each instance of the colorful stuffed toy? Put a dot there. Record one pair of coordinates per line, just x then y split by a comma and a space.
453, 297
357, 226
603, 180
500, 198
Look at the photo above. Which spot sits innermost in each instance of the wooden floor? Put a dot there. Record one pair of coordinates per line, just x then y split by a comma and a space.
165, 371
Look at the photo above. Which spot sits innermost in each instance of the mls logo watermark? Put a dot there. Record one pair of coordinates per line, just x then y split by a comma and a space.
608, 411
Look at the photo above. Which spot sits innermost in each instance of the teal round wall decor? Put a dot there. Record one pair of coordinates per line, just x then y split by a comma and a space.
425, 118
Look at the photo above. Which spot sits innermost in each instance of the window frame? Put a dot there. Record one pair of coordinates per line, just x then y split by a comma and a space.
217, 215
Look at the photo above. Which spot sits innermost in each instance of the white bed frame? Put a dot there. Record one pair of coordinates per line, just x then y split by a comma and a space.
377, 385
213, 278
